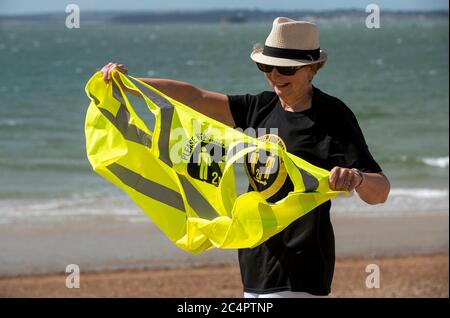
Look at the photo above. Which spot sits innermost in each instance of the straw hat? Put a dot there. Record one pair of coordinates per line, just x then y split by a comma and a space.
290, 43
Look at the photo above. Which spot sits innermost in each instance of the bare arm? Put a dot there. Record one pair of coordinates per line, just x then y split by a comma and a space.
372, 188
212, 104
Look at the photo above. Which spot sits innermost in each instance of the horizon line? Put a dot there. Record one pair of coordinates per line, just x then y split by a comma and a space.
165, 11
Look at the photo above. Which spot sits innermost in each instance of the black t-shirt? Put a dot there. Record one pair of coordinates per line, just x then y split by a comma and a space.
301, 257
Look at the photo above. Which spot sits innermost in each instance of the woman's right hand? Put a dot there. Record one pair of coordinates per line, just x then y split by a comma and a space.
108, 68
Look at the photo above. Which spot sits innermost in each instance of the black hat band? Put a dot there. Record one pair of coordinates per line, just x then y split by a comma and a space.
294, 54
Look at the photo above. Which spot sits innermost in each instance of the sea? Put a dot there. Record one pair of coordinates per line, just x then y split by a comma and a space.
395, 79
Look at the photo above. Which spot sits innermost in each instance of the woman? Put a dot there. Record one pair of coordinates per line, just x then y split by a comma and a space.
299, 261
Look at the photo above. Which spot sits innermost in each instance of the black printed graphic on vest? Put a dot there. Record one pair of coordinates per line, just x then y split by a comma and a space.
263, 167
266, 171
205, 162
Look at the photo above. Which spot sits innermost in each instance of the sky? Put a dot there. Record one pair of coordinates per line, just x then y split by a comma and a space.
33, 6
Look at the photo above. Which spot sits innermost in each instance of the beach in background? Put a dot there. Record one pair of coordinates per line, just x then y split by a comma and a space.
55, 211
119, 258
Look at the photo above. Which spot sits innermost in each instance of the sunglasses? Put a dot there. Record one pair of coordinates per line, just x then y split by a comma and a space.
283, 70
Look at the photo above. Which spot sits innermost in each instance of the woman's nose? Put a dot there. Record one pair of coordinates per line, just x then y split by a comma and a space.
274, 73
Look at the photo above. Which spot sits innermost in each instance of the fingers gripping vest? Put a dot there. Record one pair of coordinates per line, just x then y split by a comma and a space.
181, 173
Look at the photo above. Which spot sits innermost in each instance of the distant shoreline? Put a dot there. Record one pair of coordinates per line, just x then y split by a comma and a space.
213, 16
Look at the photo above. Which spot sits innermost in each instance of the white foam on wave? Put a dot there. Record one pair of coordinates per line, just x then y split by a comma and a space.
420, 193
401, 201
34, 209
11, 122
441, 162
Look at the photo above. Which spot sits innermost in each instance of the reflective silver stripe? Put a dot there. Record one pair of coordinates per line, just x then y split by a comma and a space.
310, 182
160, 101
164, 135
200, 205
129, 131
121, 122
166, 120
96, 101
147, 187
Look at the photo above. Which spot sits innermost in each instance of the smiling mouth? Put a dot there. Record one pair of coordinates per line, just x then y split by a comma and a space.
282, 85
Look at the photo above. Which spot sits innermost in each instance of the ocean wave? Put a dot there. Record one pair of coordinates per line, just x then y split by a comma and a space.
419, 193
438, 162
16, 209
402, 201
441, 162
46, 164
11, 122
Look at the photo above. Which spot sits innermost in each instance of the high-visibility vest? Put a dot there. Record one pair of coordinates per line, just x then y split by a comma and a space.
181, 173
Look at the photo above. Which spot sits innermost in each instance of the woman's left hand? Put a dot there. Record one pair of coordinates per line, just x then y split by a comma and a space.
344, 179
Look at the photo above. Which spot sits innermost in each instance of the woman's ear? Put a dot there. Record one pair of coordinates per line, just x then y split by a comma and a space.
312, 70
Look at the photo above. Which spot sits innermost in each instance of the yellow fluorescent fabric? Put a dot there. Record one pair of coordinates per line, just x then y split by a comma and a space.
173, 173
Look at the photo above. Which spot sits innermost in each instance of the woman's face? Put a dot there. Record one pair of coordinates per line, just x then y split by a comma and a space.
291, 87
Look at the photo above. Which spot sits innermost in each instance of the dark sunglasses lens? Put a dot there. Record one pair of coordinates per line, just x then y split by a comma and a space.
283, 70
265, 68
288, 71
